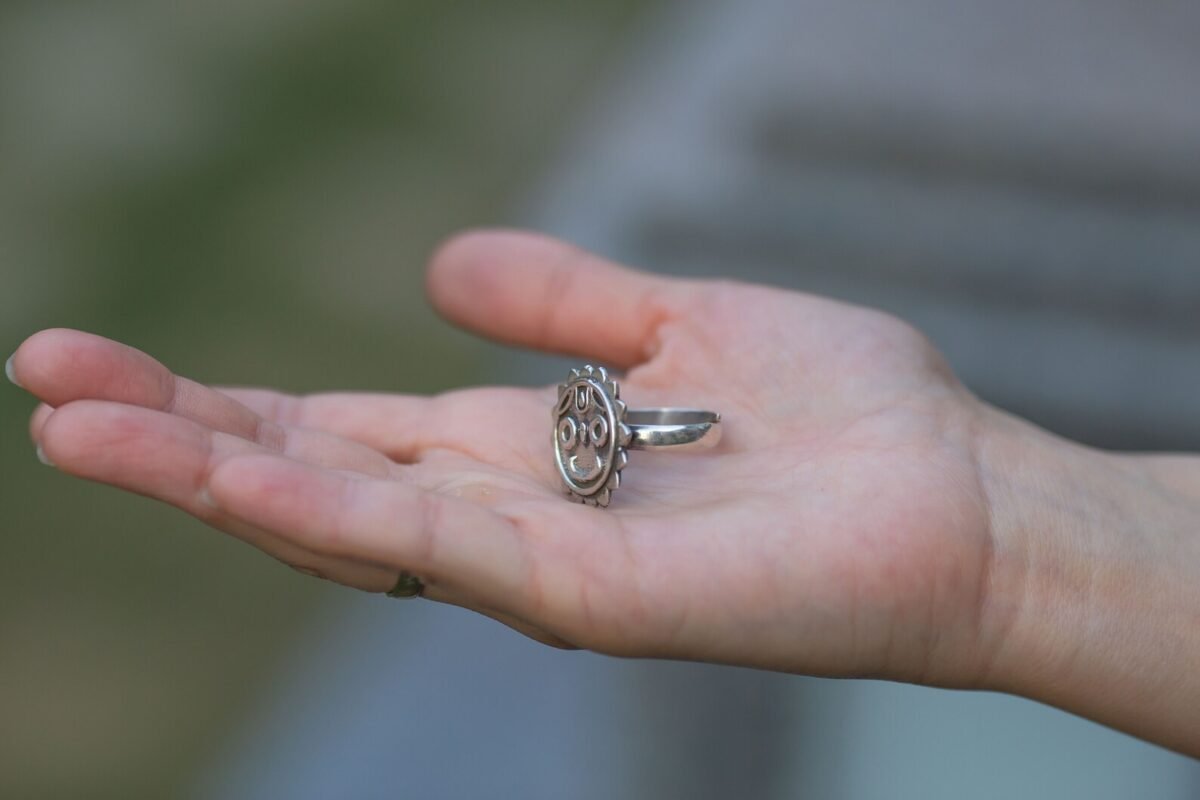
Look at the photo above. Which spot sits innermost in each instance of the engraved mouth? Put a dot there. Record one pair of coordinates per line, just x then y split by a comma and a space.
585, 474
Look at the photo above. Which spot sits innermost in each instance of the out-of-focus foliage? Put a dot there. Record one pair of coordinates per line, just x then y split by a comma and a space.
248, 191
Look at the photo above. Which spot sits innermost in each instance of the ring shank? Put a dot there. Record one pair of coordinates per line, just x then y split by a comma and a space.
676, 428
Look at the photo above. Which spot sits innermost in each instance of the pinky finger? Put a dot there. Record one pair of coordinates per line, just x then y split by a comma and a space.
465, 550
165, 457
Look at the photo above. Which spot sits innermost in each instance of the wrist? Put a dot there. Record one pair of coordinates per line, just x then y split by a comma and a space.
1092, 598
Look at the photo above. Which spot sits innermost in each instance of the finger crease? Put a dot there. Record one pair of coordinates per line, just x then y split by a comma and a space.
288, 410
656, 315
270, 435
207, 467
172, 386
430, 508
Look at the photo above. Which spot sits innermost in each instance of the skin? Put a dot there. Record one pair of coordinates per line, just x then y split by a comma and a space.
864, 514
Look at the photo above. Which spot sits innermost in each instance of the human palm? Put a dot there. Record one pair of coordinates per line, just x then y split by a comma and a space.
840, 526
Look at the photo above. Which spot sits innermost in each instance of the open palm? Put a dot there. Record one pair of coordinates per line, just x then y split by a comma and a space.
840, 526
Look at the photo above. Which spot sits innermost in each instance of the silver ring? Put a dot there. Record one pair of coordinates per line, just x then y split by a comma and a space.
594, 431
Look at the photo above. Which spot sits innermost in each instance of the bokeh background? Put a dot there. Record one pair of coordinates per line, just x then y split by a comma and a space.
249, 190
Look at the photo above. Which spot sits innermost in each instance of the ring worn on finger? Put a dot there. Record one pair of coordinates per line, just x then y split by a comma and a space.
407, 586
594, 430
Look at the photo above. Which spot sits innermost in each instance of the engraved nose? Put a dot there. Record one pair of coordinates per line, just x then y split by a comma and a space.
584, 435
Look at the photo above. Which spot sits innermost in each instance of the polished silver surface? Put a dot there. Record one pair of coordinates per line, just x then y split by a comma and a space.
677, 428
594, 430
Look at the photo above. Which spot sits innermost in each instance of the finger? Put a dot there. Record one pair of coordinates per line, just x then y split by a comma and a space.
169, 458
537, 292
61, 366
502, 426
402, 426
466, 547
37, 420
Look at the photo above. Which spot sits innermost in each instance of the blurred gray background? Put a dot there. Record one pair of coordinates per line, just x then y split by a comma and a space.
248, 192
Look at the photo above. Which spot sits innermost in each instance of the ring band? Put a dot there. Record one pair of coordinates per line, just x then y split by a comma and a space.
594, 430
407, 586
677, 428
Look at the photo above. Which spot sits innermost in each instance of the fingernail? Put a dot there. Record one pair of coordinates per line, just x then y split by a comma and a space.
41, 454
206, 499
10, 372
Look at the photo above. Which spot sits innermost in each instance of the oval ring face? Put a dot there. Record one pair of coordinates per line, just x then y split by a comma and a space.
590, 435
584, 449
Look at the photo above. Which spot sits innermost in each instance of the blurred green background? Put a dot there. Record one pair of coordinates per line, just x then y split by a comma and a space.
248, 191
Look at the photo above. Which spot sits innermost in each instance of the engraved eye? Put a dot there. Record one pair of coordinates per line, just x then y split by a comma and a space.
598, 429
567, 433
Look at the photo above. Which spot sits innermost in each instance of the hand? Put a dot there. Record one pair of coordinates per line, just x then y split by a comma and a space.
851, 522
839, 528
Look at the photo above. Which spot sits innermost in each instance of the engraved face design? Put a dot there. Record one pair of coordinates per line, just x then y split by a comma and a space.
589, 435
582, 442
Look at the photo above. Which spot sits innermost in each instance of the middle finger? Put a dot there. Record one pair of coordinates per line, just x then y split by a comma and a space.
64, 366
